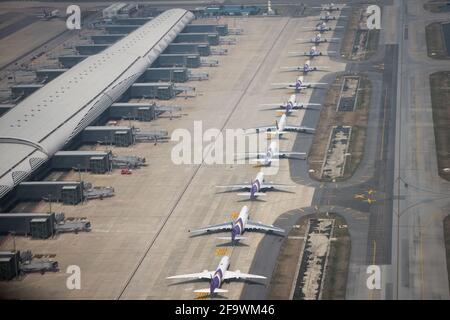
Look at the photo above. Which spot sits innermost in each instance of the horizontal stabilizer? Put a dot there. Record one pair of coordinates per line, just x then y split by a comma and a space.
290, 110
263, 160
229, 238
207, 290
274, 133
248, 194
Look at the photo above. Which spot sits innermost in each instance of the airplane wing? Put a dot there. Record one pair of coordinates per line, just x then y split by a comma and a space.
239, 275
298, 53
311, 104
201, 275
297, 107
236, 186
284, 154
253, 225
299, 129
251, 154
216, 227
262, 129
272, 104
315, 83
283, 84
271, 185
291, 68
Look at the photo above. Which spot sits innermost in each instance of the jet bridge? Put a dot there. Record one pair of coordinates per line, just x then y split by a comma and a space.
106, 38
209, 37
93, 161
68, 61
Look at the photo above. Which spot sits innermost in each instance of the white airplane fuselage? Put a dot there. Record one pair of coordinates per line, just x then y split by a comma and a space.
239, 224
322, 27
256, 184
292, 104
280, 127
299, 84
217, 278
327, 17
272, 150
331, 7
313, 52
307, 67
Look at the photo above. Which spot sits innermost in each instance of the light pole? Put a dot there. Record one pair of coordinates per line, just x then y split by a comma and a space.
49, 203
13, 233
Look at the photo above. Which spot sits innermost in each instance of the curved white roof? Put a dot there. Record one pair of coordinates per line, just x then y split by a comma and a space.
45, 121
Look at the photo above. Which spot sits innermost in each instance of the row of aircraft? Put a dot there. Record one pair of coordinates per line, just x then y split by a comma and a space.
258, 187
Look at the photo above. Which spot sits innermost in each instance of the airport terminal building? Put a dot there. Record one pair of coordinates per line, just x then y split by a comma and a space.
47, 120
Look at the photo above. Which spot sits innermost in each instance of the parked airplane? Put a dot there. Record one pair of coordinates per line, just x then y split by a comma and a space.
313, 52
298, 84
322, 27
48, 15
330, 7
328, 17
256, 188
280, 128
291, 105
217, 277
272, 154
318, 39
238, 227
305, 68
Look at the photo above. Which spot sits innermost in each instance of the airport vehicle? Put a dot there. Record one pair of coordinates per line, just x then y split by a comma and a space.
272, 154
280, 128
238, 226
313, 52
126, 171
298, 84
256, 188
217, 277
305, 68
291, 105
318, 39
